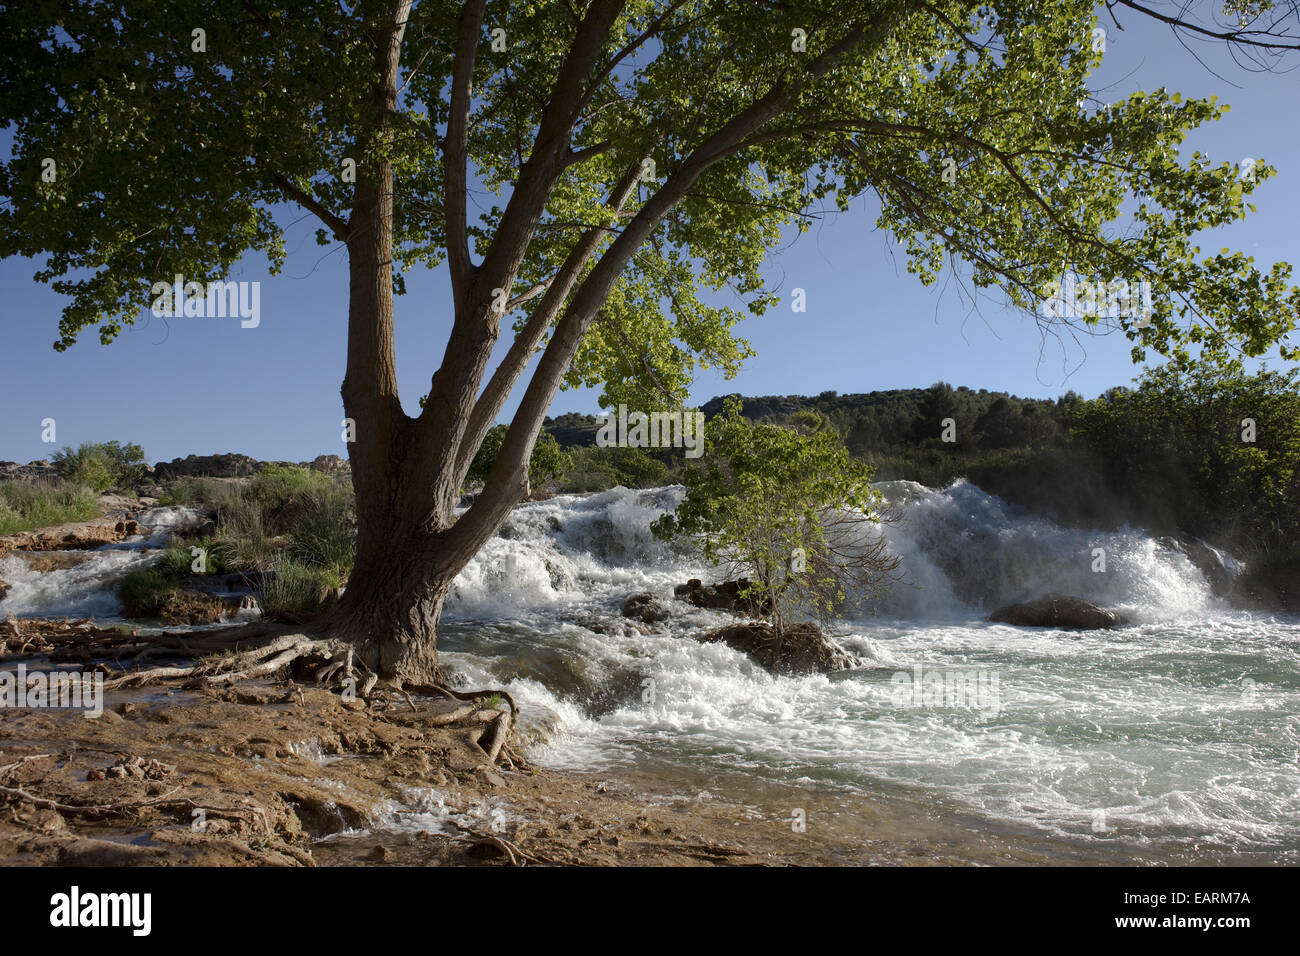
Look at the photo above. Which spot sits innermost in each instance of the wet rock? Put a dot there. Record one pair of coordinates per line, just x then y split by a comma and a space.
4, 588
138, 768
491, 777
646, 608
561, 579
1204, 559
617, 627
725, 596
1058, 610
181, 606
127, 527
89, 852
803, 649
43, 562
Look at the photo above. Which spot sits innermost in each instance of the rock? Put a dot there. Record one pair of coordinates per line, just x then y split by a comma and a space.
88, 852
182, 605
43, 562
491, 777
4, 588
1204, 559
74, 536
1058, 610
645, 608
126, 528
36, 472
206, 466
328, 464
804, 648
725, 596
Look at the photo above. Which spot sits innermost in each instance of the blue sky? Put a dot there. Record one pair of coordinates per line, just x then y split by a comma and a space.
205, 386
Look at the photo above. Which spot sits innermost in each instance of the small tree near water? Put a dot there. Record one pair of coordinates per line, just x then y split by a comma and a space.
791, 511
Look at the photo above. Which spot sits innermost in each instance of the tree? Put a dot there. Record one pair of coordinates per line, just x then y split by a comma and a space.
789, 509
645, 151
1214, 449
548, 460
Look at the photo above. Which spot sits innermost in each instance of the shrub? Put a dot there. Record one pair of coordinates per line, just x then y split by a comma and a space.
145, 592
322, 528
278, 485
25, 505
594, 469
295, 591
101, 465
547, 462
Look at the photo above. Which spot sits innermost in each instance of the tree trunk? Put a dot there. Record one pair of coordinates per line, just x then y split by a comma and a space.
404, 569
393, 602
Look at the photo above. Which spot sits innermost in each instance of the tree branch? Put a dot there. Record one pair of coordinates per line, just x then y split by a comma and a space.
313, 205
1243, 37
455, 154
509, 474
530, 336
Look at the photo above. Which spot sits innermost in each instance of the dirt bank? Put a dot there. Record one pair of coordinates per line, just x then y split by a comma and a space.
280, 774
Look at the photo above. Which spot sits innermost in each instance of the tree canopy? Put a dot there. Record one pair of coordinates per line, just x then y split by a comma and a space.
646, 155
171, 147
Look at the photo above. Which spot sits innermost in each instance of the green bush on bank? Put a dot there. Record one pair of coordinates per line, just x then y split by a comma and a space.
26, 505
295, 590
295, 525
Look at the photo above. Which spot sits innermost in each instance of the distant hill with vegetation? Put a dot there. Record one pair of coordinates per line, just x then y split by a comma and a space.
1214, 453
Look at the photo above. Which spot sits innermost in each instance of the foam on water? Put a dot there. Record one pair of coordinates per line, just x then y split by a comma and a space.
1180, 729
87, 589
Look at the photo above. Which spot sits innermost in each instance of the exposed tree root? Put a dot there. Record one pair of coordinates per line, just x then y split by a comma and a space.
224, 657
261, 661
490, 741
93, 809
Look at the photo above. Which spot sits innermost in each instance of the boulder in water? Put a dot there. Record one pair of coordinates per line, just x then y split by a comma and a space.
804, 649
1204, 559
645, 608
725, 596
4, 589
1058, 610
